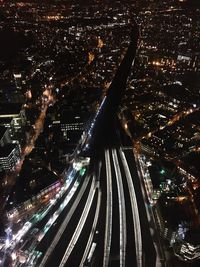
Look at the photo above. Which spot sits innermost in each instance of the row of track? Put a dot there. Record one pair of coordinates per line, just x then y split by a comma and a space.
60, 236
122, 244
70, 241
101, 226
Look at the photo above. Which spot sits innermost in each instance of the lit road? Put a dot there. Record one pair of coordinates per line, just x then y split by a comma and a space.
175, 119
10, 178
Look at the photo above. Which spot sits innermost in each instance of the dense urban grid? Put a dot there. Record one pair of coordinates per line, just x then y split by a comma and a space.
58, 62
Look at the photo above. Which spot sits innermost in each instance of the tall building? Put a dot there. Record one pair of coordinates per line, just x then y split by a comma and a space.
13, 118
4, 135
9, 156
